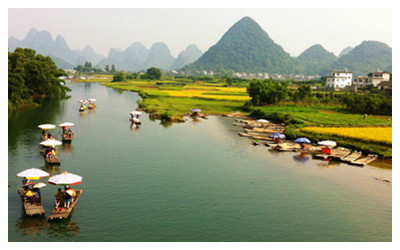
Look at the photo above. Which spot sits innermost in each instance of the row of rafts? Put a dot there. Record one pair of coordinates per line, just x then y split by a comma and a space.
65, 198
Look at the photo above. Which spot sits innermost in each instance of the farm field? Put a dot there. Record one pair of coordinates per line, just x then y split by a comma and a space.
381, 135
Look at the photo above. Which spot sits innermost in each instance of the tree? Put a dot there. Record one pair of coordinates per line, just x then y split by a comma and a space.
267, 91
107, 69
119, 77
113, 70
31, 75
229, 81
153, 73
304, 92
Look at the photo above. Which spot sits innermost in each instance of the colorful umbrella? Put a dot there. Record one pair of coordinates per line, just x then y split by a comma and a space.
66, 124
327, 143
302, 140
50, 143
83, 101
39, 185
277, 136
65, 178
92, 100
33, 174
47, 126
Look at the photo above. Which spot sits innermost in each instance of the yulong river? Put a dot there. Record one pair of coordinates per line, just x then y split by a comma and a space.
193, 181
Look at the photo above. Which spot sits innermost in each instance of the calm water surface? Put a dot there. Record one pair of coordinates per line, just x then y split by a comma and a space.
187, 182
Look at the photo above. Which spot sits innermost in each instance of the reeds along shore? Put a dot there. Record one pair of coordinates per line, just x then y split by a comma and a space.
262, 131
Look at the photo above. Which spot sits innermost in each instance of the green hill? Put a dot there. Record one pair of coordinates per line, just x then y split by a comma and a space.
366, 57
245, 47
315, 60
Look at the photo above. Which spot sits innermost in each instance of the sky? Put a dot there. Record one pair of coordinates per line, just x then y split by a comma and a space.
295, 29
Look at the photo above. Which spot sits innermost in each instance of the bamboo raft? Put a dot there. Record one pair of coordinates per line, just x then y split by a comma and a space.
339, 153
31, 209
51, 160
352, 157
68, 136
364, 161
59, 215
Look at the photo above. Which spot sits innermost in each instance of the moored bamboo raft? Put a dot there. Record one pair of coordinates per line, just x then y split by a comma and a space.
352, 157
31, 208
63, 214
339, 153
365, 160
244, 134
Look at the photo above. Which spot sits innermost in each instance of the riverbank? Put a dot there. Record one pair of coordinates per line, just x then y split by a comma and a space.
169, 101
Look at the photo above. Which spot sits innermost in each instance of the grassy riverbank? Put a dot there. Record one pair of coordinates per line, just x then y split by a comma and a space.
169, 101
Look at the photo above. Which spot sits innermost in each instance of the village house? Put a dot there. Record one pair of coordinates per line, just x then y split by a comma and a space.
339, 79
374, 78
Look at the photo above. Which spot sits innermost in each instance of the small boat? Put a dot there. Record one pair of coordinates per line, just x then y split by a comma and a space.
65, 179
30, 196
92, 104
64, 213
135, 117
32, 206
50, 154
67, 135
339, 153
44, 128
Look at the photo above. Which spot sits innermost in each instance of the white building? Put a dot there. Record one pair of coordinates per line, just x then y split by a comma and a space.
373, 78
339, 79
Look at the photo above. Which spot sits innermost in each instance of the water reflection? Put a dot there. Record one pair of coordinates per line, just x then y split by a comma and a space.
134, 127
66, 148
302, 157
328, 164
38, 225
32, 226
66, 228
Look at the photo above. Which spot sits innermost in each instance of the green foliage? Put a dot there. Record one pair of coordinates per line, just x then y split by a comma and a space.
31, 75
267, 91
304, 93
87, 68
119, 77
152, 74
368, 104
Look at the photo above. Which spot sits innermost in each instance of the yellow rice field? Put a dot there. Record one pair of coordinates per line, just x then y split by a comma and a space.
370, 134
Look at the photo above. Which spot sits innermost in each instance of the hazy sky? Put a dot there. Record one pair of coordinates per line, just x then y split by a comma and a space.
294, 29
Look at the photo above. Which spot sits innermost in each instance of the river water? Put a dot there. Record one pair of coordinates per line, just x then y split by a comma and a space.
195, 181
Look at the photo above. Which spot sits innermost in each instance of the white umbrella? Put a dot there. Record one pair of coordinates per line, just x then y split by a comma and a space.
66, 124
262, 120
33, 173
65, 178
136, 113
47, 126
39, 185
92, 100
50, 143
327, 143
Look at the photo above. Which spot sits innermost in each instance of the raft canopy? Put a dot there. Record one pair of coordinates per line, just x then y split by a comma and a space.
66, 124
47, 126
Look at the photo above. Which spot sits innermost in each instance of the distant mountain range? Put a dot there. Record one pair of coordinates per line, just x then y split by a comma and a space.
135, 58
245, 47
